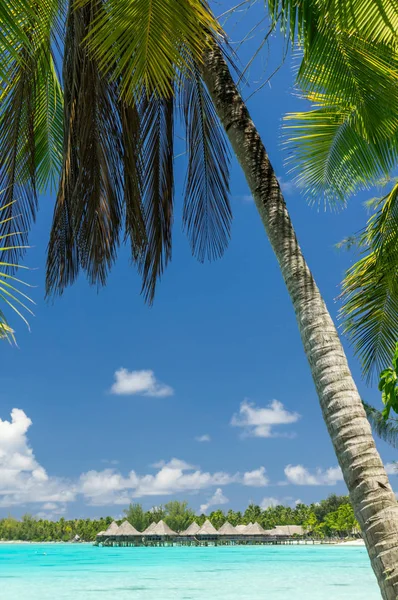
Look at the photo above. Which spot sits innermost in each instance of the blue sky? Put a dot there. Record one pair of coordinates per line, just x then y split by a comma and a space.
218, 355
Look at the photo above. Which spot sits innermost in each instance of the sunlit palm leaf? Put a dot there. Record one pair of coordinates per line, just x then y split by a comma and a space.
140, 41
207, 212
370, 290
373, 19
351, 138
10, 293
386, 430
30, 120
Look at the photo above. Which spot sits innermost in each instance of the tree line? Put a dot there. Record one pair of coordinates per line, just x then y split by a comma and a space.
333, 516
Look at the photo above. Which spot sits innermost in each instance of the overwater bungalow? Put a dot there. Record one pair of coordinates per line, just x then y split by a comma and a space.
207, 532
228, 532
163, 530
160, 534
149, 529
191, 531
286, 531
110, 532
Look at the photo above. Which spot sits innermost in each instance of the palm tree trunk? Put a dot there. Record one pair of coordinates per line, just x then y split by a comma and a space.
374, 502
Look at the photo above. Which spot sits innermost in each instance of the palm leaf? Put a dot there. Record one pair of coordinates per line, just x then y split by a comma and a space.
10, 293
207, 212
30, 121
140, 41
370, 290
89, 210
158, 188
350, 139
373, 19
387, 430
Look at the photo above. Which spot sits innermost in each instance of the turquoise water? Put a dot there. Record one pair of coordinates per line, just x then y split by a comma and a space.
77, 572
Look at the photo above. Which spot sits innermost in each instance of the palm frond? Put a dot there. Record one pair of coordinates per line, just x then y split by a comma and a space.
10, 293
207, 213
370, 290
140, 41
30, 120
376, 20
89, 210
387, 430
350, 139
158, 188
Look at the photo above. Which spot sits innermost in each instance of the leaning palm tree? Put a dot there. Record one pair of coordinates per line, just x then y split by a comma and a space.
125, 62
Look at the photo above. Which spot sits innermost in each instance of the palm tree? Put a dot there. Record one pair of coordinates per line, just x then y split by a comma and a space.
374, 502
117, 167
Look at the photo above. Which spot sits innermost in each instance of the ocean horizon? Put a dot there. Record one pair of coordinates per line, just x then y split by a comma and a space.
68, 571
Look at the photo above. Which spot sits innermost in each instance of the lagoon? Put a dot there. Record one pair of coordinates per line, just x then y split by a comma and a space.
82, 572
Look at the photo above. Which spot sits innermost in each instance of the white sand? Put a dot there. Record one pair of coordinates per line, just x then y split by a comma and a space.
351, 543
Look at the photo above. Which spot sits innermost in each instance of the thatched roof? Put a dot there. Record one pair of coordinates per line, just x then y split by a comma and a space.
112, 529
100, 533
163, 529
150, 529
127, 529
254, 529
192, 529
242, 528
287, 530
227, 529
207, 529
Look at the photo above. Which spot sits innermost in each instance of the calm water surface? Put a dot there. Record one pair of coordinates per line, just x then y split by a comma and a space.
70, 572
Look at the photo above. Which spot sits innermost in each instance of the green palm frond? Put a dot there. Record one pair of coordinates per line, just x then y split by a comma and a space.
370, 290
10, 293
387, 430
374, 19
350, 139
118, 162
140, 42
207, 212
30, 120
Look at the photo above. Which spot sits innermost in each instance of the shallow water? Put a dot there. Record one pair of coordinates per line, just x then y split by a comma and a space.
70, 572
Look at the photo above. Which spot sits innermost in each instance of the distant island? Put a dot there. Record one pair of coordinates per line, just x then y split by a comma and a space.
332, 517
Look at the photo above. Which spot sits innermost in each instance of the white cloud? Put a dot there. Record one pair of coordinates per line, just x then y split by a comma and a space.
256, 478
217, 499
50, 506
139, 383
299, 475
22, 478
268, 502
391, 468
203, 438
110, 487
288, 186
259, 422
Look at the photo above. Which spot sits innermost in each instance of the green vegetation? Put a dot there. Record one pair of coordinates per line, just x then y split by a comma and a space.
330, 517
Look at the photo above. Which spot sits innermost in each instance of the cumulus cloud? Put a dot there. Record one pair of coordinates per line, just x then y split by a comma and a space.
139, 383
217, 499
269, 502
203, 438
260, 422
299, 475
22, 478
176, 476
391, 468
256, 478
